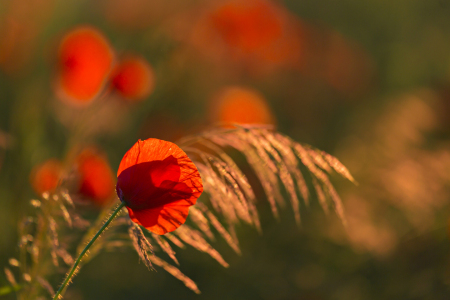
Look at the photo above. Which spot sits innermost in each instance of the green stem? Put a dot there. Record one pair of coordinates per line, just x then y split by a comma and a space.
77, 262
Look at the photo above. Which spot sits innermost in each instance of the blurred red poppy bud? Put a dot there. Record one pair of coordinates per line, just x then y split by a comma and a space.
96, 177
46, 176
242, 106
158, 183
84, 61
133, 78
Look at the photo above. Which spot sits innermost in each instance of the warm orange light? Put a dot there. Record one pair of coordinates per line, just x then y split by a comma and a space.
96, 179
247, 25
84, 61
46, 176
259, 35
133, 78
242, 106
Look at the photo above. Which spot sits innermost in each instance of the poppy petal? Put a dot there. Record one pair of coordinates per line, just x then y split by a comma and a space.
163, 219
156, 173
149, 150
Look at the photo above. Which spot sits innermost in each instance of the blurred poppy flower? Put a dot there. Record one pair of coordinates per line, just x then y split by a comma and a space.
158, 183
84, 60
45, 177
257, 33
133, 78
242, 106
96, 179
248, 26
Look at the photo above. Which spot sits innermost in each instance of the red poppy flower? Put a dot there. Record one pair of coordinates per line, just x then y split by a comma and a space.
85, 60
158, 183
242, 106
249, 26
96, 178
256, 31
45, 177
133, 78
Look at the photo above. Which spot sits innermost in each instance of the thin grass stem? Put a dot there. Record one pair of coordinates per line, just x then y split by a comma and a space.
80, 257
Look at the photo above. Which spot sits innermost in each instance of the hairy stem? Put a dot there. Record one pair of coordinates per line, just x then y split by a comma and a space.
91, 242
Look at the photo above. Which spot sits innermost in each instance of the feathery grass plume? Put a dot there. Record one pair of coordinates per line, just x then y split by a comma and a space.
291, 162
78, 222
10, 277
66, 196
321, 196
140, 244
240, 205
194, 238
115, 245
46, 285
175, 272
220, 193
327, 187
231, 240
337, 166
146, 251
268, 180
66, 215
65, 256
201, 221
53, 239
41, 245
282, 171
175, 240
276, 161
231, 168
165, 246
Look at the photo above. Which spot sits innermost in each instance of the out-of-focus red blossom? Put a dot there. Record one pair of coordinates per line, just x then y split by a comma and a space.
254, 31
46, 176
85, 60
247, 25
158, 183
95, 175
242, 106
133, 78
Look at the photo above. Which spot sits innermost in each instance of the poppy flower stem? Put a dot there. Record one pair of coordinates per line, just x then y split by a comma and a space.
91, 242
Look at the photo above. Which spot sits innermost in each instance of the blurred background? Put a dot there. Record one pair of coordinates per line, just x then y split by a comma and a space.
367, 81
